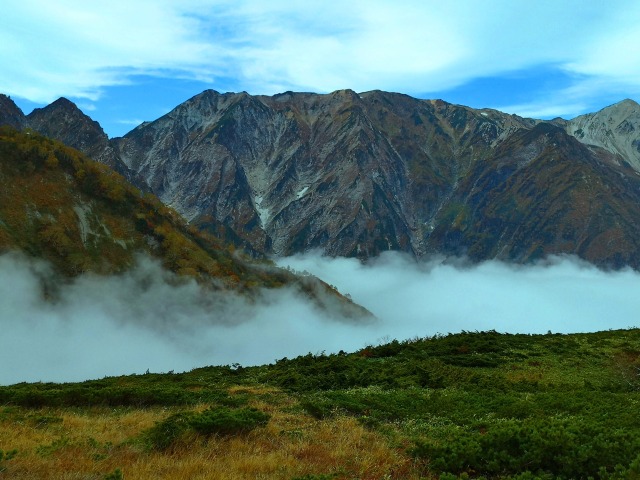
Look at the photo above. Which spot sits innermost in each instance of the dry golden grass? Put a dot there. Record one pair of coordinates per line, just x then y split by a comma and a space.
91, 443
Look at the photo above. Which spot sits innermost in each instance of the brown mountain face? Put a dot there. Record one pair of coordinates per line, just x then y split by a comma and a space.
345, 173
542, 192
357, 174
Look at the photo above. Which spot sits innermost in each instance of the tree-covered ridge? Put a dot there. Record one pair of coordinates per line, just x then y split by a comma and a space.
81, 216
469, 405
56, 204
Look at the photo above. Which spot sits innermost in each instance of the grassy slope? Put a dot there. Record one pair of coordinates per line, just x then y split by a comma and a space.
478, 404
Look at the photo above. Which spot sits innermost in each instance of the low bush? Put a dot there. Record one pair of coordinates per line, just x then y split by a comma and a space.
163, 434
227, 421
561, 448
213, 421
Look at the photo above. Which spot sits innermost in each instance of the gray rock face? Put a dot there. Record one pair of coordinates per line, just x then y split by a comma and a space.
615, 128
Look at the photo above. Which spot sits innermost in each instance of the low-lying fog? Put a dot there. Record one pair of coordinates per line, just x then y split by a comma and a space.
101, 326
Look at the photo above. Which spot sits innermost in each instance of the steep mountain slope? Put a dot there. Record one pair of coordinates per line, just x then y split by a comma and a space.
542, 192
78, 214
65, 122
359, 174
356, 174
10, 114
350, 174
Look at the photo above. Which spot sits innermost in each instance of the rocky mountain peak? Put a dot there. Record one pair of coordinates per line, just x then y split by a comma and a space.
628, 102
615, 128
10, 113
63, 120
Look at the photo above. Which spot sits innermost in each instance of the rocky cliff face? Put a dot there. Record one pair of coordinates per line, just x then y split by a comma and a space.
345, 173
542, 192
615, 128
356, 174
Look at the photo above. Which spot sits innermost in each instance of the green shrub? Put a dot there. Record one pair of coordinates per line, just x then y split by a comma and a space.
163, 434
213, 421
563, 448
226, 421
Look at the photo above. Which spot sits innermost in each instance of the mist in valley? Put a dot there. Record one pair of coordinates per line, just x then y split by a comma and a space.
148, 319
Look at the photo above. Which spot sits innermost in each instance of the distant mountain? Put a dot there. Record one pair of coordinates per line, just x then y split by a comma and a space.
64, 121
615, 128
60, 206
10, 114
357, 174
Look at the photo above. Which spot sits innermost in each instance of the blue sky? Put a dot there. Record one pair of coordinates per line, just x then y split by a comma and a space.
124, 62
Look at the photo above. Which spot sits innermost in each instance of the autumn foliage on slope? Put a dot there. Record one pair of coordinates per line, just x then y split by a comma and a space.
80, 215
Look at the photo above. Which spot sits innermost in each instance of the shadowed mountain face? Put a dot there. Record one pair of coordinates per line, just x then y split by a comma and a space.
10, 114
356, 174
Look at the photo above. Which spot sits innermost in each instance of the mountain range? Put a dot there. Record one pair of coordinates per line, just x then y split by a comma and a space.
357, 174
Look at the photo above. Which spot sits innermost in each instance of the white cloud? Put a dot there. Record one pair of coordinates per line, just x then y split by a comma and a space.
423, 298
77, 48
97, 326
126, 324
550, 107
132, 122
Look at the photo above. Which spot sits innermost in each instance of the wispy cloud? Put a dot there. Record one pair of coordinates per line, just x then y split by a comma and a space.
78, 49
131, 122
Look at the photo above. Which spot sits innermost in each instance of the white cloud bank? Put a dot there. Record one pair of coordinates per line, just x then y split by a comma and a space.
563, 295
126, 324
76, 48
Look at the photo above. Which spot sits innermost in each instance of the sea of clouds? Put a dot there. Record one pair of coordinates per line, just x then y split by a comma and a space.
146, 319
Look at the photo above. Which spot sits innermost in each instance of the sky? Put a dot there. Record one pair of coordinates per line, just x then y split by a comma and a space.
96, 326
125, 62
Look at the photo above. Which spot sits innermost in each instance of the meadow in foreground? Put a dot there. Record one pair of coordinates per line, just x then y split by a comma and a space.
479, 404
